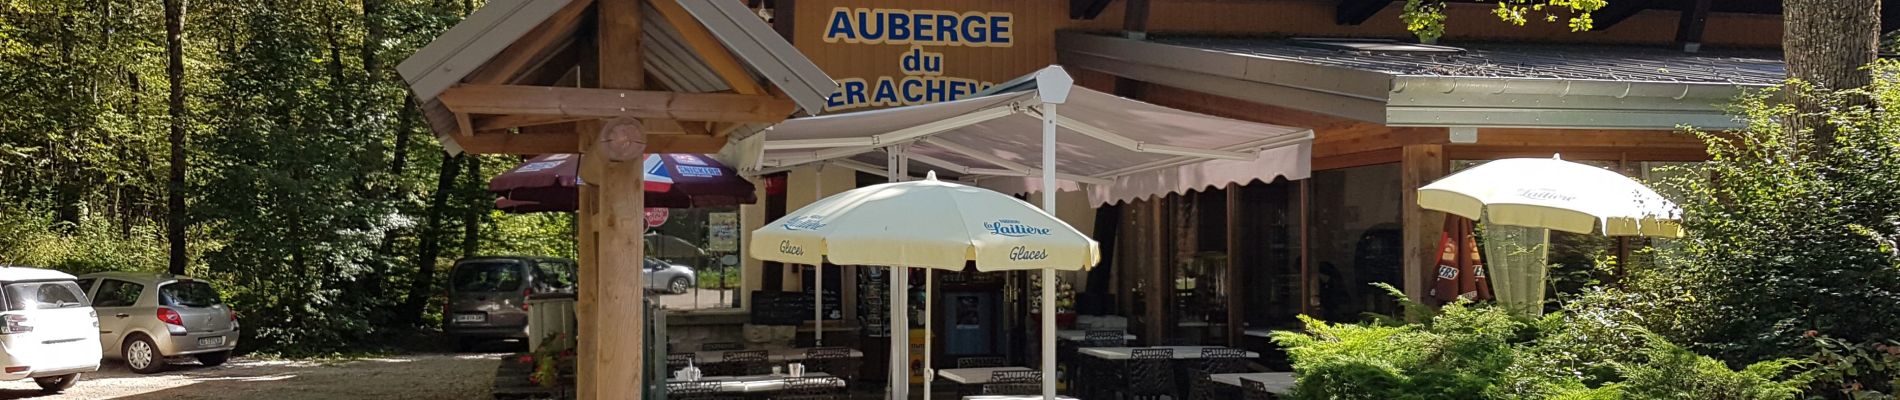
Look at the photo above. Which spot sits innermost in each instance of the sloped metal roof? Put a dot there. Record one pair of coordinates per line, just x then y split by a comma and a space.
1503, 60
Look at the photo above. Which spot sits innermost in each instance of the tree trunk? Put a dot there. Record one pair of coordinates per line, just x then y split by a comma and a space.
479, 205
175, 188
430, 248
1828, 43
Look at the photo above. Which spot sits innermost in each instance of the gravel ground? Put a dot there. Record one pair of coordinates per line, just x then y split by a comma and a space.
419, 376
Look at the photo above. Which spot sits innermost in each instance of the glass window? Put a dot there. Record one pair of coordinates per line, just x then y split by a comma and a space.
1356, 240
1268, 256
1199, 228
188, 294
486, 276
554, 276
84, 284
117, 293
44, 295
705, 241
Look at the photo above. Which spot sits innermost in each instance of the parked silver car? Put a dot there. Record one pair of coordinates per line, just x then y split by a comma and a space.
148, 318
488, 296
662, 276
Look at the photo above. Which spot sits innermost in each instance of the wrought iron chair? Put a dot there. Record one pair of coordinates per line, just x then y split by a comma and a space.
675, 361
836, 361
811, 388
1255, 390
739, 363
1200, 385
1104, 339
1151, 374
1222, 360
982, 362
698, 390
1013, 383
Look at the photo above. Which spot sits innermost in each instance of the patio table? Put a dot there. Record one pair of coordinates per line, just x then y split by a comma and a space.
1260, 333
1276, 382
1123, 353
756, 383
974, 376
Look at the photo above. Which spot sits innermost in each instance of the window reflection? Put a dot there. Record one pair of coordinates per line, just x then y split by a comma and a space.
1356, 241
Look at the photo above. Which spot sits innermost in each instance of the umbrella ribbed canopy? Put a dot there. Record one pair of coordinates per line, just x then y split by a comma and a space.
926, 223
1555, 194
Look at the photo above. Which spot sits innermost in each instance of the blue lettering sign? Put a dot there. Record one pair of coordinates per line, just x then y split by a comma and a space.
1014, 228
804, 223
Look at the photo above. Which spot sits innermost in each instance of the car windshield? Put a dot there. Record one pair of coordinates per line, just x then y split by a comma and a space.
494, 276
44, 295
188, 294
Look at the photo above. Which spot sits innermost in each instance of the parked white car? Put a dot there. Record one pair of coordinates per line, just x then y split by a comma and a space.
47, 330
148, 318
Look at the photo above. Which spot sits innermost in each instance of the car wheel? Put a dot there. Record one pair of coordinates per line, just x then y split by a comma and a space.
677, 286
142, 355
214, 359
56, 384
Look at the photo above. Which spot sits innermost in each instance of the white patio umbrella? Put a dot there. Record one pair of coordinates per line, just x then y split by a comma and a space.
930, 224
1546, 193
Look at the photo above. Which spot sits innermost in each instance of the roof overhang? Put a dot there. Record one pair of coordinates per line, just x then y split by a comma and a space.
700, 53
1409, 100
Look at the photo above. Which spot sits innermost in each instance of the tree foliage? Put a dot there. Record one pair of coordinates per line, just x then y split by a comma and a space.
1794, 237
1426, 18
300, 208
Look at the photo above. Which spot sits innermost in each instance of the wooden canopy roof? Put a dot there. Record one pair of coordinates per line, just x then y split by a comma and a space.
516, 75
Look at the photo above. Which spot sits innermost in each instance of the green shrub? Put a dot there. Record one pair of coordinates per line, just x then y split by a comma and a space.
1593, 349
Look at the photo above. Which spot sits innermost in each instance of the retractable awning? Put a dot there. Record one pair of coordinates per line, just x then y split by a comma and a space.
1114, 148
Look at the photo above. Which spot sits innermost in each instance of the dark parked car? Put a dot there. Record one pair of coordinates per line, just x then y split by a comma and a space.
488, 296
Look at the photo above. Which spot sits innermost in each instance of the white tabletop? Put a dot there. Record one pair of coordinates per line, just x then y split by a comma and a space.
773, 355
759, 383
974, 376
1276, 382
1076, 335
1123, 353
1264, 333
1012, 397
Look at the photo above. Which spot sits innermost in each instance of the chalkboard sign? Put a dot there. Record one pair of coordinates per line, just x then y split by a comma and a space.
874, 306
792, 308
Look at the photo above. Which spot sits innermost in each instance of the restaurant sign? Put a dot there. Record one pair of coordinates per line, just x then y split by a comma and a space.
923, 80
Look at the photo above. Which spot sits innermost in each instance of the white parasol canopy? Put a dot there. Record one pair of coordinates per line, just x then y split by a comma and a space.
927, 223
1555, 194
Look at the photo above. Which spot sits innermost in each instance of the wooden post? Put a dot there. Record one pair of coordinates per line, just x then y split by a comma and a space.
612, 315
1159, 284
1234, 300
1420, 164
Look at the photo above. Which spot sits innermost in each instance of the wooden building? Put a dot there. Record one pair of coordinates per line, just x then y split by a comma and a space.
1389, 115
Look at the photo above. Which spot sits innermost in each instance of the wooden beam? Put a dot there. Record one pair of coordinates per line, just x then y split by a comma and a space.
1695, 15
535, 46
1135, 19
684, 144
1375, 157
1087, 9
618, 33
1355, 12
613, 103
553, 69
1617, 11
501, 122
1235, 259
1419, 165
708, 48
519, 144
1635, 139
465, 126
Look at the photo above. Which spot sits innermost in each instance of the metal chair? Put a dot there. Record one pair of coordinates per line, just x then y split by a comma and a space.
811, 388
1013, 383
739, 363
1222, 360
1104, 339
721, 346
675, 361
1200, 385
698, 390
1255, 390
1151, 373
982, 362
836, 361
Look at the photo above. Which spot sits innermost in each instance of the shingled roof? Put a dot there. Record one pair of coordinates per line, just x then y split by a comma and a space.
1506, 60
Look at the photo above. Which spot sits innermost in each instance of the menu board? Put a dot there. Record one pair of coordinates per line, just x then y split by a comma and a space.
874, 305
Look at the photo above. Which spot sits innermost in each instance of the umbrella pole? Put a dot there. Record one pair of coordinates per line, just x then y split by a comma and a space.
929, 317
1049, 274
897, 169
818, 272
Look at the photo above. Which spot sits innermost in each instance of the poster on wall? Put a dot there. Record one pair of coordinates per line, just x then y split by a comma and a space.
722, 232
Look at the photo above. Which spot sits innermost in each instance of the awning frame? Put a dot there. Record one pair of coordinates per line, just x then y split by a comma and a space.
1051, 82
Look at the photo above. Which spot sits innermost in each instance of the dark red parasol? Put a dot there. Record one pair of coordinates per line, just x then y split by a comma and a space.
677, 180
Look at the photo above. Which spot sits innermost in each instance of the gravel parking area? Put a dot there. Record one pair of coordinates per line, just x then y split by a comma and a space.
418, 376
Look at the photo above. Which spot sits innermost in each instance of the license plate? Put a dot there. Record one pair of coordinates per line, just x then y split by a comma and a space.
214, 341
471, 317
